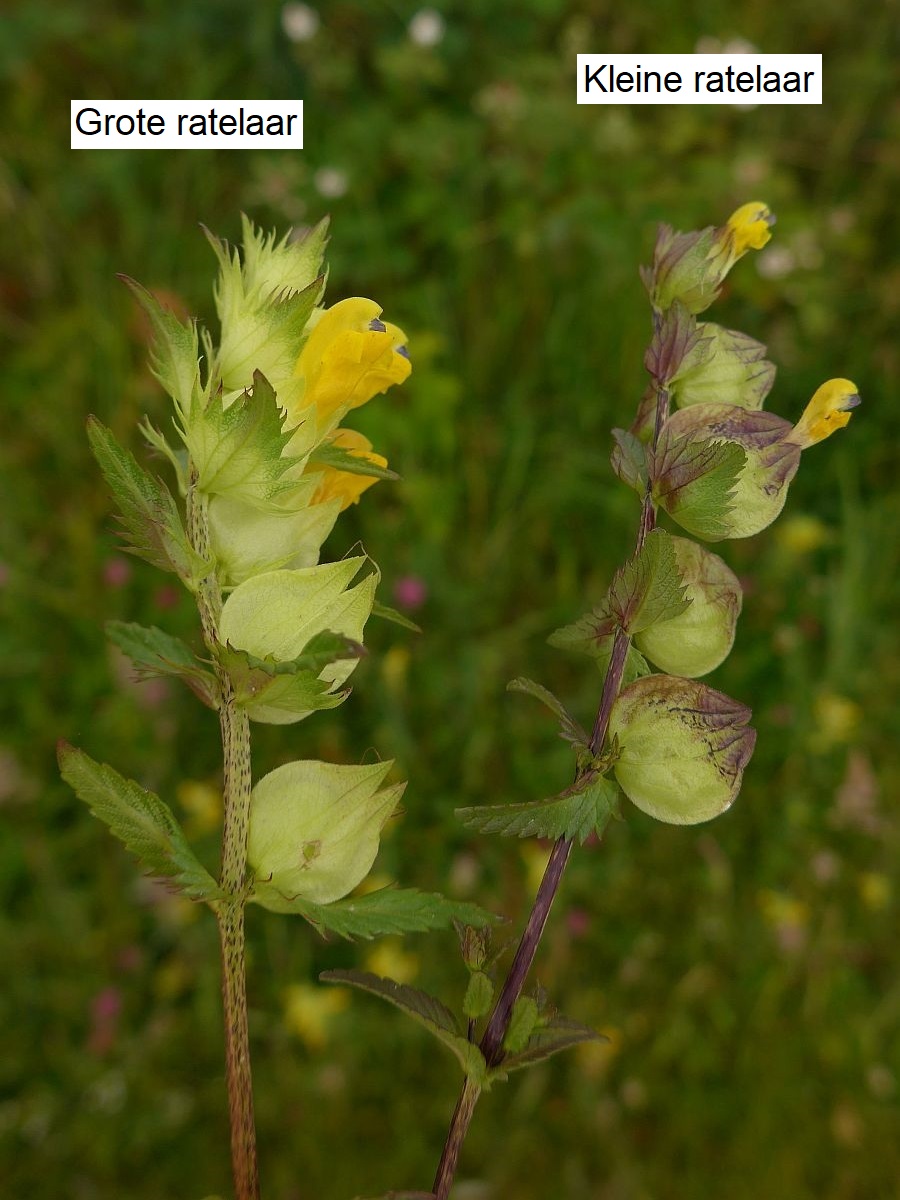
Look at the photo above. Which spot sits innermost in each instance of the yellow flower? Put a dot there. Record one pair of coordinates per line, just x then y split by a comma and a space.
203, 805
308, 1011
749, 227
830, 409
349, 357
335, 484
802, 533
391, 961
875, 890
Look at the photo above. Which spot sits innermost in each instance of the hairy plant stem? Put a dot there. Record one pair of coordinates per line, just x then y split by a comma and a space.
237, 781
491, 1044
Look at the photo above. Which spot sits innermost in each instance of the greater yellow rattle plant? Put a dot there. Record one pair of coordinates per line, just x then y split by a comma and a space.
265, 466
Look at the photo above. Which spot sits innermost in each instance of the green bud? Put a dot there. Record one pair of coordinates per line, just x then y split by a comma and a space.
698, 639
756, 494
682, 746
687, 267
264, 304
725, 367
522, 1024
314, 830
479, 996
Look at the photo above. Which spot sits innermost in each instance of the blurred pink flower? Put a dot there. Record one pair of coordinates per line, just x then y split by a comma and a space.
578, 922
166, 596
116, 572
410, 592
106, 1007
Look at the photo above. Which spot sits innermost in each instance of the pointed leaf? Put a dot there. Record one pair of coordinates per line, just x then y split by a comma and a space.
397, 618
424, 1009
570, 729
174, 356
579, 811
148, 511
629, 460
327, 454
140, 819
592, 635
551, 1037
154, 652
694, 480
238, 448
649, 588
388, 911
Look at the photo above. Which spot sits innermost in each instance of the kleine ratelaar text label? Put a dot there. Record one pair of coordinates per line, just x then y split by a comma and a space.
699, 79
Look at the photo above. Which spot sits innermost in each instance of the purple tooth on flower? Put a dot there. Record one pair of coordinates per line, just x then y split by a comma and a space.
377, 326
402, 351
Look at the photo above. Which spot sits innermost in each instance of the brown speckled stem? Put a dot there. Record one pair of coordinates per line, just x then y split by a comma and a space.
237, 781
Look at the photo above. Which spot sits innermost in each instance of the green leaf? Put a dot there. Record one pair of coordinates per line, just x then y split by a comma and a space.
174, 355
649, 588
148, 511
479, 996
256, 679
521, 1024
397, 618
570, 729
292, 687
694, 480
238, 448
178, 458
390, 910
629, 460
552, 1036
592, 635
424, 1009
139, 819
154, 652
579, 811
327, 454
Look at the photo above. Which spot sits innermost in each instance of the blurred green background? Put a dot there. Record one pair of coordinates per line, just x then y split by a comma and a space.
745, 971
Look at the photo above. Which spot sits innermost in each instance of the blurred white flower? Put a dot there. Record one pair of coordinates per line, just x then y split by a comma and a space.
299, 22
739, 46
427, 27
330, 182
775, 262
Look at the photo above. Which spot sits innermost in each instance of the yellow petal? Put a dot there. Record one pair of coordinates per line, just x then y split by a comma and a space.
830, 409
749, 226
351, 356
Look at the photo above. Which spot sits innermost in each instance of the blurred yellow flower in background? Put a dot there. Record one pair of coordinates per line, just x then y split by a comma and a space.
389, 959
309, 1011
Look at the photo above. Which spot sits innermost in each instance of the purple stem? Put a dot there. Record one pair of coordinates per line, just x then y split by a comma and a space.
492, 1042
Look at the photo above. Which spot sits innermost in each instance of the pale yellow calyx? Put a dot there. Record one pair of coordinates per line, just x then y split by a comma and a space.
750, 226
830, 409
